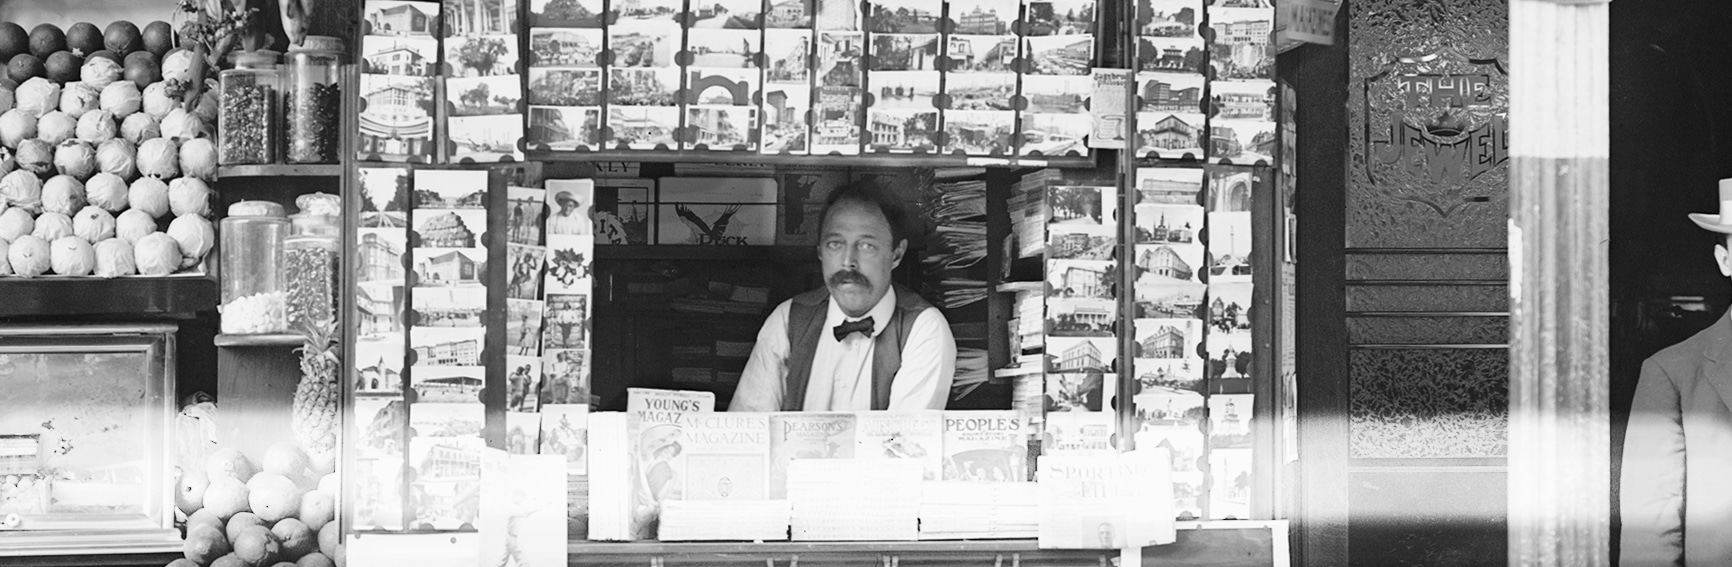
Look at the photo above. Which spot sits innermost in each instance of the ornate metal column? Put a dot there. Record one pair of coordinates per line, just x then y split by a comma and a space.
1559, 491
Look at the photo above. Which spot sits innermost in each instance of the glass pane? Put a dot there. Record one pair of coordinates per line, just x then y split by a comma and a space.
1421, 330
97, 420
1428, 298
1428, 403
1427, 267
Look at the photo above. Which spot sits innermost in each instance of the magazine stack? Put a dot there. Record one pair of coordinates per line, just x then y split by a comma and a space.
725, 520
979, 510
830, 505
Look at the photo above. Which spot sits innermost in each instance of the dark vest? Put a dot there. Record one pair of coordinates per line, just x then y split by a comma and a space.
806, 315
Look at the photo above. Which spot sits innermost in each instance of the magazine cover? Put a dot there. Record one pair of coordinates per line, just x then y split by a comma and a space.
801, 435
657, 448
985, 446
1110, 501
903, 435
727, 456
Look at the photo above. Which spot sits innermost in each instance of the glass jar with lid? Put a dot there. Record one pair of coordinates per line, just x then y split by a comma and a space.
313, 100
310, 257
247, 121
253, 291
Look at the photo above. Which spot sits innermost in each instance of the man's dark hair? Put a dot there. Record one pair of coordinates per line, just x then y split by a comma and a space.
872, 196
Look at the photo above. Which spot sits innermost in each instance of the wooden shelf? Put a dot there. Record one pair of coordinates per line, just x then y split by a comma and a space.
273, 340
868, 159
136, 295
696, 252
280, 170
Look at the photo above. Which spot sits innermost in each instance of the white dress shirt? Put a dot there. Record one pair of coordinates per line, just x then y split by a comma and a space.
841, 377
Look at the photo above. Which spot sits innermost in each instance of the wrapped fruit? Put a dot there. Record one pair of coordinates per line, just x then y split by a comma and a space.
138, 127
188, 196
195, 235
150, 195
36, 156
22, 190
107, 191
134, 225
7, 164
38, 96
93, 224
121, 98
157, 254
6, 99
159, 158
100, 72
29, 256
76, 98
62, 194
16, 222
115, 157
16, 126
177, 65
56, 127
76, 158
157, 100
52, 226
198, 158
72, 256
5, 263
181, 125
114, 258
97, 126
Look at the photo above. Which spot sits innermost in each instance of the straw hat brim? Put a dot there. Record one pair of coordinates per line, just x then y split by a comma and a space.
1715, 223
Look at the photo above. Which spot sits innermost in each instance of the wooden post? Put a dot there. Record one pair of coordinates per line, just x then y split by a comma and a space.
1559, 433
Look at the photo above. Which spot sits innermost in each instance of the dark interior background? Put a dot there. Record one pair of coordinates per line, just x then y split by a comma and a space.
1671, 131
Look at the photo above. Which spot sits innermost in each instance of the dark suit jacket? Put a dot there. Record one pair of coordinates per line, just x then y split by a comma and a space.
1676, 488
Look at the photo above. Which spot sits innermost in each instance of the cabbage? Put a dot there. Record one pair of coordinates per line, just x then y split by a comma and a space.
29, 256
195, 235
72, 256
115, 157
157, 254
16, 222
22, 190
62, 194
198, 158
139, 127
76, 98
36, 156
107, 191
76, 158
97, 126
150, 195
93, 224
15, 127
38, 96
7, 164
157, 100
114, 258
99, 72
188, 196
56, 127
5, 264
159, 157
122, 98
133, 225
52, 226
177, 65
181, 125
6, 100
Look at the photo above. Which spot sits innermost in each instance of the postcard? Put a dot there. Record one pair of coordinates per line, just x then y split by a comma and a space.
643, 127
1230, 497
381, 255
905, 52
1175, 373
479, 17
400, 19
564, 427
1230, 247
451, 346
622, 211
795, 14
1173, 300
1168, 18
1229, 363
717, 224
1170, 135
721, 128
839, 58
1229, 307
1240, 52
722, 86
566, 13
407, 56
902, 16
1230, 188
980, 91
450, 306
484, 96
564, 128
569, 260
524, 265
569, 203
643, 44
1081, 317
484, 139
1060, 54
1169, 92
1082, 279
1168, 263
564, 377
523, 431
723, 48
643, 87
836, 126
1053, 135
1168, 224
1071, 355
441, 385
520, 523
649, 11
1242, 142
564, 87
566, 321
1169, 185
377, 485
1060, 17
783, 123
838, 15
397, 120
565, 47
1081, 242
904, 90
726, 14
450, 189
1168, 338
1249, 101
524, 225
523, 380
522, 327
787, 56
381, 427
380, 307
1081, 391
979, 133
903, 130
481, 56
981, 53
983, 17
1048, 94
437, 421
1173, 54
379, 364
384, 189
456, 268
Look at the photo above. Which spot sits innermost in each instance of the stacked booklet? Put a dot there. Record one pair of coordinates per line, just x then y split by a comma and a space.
979, 510
1028, 213
831, 503
725, 520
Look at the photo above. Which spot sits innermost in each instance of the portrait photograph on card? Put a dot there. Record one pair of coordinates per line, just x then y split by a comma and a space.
1168, 224
1060, 54
1169, 185
1175, 300
522, 327
1169, 92
486, 138
720, 128
783, 124
1170, 135
1055, 134
1174, 54
839, 58
643, 127
447, 346
438, 385
1081, 317
903, 16
522, 381
979, 132
714, 86
1080, 279
982, 53
397, 120
461, 268
983, 17
564, 432
481, 56
980, 92
1080, 355
449, 306
566, 321
1168, 263
379, 364
564, 127
902, 130
723, 48
905, 52
400, 19
399, 55
564, 87
484, 96
1168, 338
642, 87
524, 271
565, 47
522, 431
569, 214
381, 255
1060, 17
564, 377
1047, 94
566, 13
1241, 48
1081, 242
1078, 204
1243, 142
904, 90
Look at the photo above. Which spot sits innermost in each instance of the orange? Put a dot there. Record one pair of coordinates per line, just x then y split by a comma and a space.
298, 539
226, 497
122, 37
241, 522
158, 38
23, 67
46, 39
258, 546
144, 71
189, 494
230, 560
317, 508
204, 544
274, 497
62, 66
13, 40
204, 517
315, 560
83, 39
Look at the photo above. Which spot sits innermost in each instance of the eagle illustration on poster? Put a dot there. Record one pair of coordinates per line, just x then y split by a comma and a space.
705, 231
719, 224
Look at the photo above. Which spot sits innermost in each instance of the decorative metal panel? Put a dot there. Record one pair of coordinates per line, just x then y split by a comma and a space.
1428, 403
1428, 122
1427, 267
1427, 298
1419, 330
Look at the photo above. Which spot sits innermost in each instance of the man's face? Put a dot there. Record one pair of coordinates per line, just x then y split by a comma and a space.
857, 252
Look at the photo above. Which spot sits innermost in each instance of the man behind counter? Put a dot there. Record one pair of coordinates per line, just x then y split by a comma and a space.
859, 342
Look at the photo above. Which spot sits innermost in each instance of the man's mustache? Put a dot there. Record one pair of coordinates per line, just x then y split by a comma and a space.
848, 277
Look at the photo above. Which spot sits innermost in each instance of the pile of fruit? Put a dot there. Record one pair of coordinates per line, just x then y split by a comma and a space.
241, 516
104, 168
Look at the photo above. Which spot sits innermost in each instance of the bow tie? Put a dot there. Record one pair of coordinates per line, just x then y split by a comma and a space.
863, 326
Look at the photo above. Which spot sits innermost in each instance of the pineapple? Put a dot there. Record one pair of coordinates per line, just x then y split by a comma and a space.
314, 417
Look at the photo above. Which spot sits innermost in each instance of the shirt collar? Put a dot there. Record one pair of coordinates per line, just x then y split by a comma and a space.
880, 313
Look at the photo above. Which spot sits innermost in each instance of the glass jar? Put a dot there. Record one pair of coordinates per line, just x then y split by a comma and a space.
253, 294
247, 124
313, 100
310, 259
